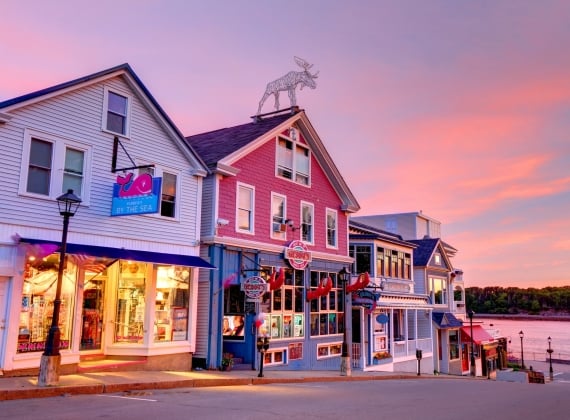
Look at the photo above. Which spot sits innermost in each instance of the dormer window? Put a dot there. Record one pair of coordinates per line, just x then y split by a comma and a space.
437, 259
293, 161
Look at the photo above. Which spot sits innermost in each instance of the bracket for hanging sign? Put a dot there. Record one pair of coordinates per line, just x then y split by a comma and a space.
114, 169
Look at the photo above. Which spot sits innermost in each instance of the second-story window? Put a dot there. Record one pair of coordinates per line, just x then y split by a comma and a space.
362, 258
278, 227
332, 228
245, 206
169, 190
293, 161
438, 290
307, 222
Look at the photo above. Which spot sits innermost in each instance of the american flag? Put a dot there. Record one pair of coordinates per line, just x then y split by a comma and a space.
87, 262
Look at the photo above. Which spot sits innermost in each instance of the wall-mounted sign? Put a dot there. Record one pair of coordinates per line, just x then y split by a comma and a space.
135, 195
365, 299
254, 287
298, 255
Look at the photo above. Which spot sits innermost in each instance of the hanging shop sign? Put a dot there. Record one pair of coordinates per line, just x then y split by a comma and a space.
365, 298
298, 255
136, 195
254, 287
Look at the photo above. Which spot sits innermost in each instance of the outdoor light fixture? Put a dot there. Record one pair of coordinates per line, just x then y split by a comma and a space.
550, 358
521, 335
345, 368
470, 315
68, 204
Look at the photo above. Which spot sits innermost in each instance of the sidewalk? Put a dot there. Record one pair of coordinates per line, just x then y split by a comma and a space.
112, 382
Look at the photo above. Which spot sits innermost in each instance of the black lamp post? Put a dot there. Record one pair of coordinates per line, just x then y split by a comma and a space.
345, 368
521, 335
550, 357
262, 347
470, 315
68, 204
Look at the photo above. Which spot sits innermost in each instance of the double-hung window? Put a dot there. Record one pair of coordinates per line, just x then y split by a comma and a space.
52, 165
438, 290
293, 161
278, 206
332, 229
116, 113
245, 208
307, 222
169, 193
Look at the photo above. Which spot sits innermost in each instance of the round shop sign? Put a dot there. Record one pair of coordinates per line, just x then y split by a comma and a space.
298, 255
254, 287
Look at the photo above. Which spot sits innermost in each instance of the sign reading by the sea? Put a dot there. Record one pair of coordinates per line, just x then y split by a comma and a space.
298, 255
135, 196
254, 287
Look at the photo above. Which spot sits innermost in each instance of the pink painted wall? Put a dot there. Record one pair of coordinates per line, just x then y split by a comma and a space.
258, 170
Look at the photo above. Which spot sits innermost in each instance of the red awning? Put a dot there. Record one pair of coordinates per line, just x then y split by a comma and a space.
479, 334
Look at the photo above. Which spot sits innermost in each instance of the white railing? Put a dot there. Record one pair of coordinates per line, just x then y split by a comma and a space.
408, 348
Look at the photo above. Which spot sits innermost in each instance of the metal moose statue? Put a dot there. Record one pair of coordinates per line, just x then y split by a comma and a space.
289, 83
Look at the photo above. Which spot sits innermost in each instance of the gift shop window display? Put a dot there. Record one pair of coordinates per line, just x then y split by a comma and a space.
284, 307
38, 294
326, 311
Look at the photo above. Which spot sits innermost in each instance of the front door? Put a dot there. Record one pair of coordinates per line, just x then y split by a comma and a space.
4, 282
464, 358
93, 310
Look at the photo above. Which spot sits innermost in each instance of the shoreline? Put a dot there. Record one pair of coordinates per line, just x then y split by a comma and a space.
525, 317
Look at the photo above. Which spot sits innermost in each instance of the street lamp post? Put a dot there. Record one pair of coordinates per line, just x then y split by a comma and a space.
521, 335
472, 370
550, 358
68, 204
345, 368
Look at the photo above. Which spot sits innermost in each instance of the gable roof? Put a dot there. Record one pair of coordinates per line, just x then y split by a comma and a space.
222, 148
425, 250
133, 81
446, 320
363, 231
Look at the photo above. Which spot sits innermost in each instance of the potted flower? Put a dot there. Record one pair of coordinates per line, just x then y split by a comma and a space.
227, 361
380, 356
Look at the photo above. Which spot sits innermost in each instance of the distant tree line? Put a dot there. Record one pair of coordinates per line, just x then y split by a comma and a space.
513, 300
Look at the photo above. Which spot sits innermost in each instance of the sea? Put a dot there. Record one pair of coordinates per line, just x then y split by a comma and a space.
535, 339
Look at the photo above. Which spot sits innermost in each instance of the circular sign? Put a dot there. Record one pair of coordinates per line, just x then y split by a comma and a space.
382, 319
298, 255
254, 287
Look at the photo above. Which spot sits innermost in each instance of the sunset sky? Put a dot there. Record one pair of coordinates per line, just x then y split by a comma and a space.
458, 108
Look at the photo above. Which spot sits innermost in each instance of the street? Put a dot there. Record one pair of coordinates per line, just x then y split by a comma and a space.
440, 398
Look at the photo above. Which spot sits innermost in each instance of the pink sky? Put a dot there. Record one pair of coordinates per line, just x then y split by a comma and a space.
460, 109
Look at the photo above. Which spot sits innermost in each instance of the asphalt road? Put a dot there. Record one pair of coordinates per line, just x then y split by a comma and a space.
432, 398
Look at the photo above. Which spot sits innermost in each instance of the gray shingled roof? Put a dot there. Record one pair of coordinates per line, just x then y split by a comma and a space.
424, 251
213, 146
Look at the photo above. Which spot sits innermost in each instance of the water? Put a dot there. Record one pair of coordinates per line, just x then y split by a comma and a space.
535, 340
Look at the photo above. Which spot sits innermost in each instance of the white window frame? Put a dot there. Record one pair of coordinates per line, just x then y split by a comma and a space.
312, 206
104, 128
294, 161
271, 353
250, 231
328, 346
158, 172
60, 144
334, 213
444, 293
278, 234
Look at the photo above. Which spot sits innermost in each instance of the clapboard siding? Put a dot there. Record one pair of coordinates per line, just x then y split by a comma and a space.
77, 115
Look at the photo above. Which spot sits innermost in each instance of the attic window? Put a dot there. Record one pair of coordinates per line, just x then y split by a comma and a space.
437, 259
116, 113
293, 161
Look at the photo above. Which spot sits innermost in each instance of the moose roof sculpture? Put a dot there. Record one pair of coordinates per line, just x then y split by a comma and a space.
289, 83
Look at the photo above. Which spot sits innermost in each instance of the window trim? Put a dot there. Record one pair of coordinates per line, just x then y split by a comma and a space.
278, 234
104, 128
60, 144
157, 172
312, 206
295, 144
335, 213
251, 231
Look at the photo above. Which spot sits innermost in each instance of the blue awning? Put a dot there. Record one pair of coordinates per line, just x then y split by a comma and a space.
128, 254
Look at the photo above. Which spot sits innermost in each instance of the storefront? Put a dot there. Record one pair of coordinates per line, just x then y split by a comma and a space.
481, 342
114, 302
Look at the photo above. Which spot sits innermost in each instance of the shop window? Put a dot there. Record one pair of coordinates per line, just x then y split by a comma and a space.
453, 344
38, 295
171, 303
325, 351
131, 297
284, 307
326, 311
275, 357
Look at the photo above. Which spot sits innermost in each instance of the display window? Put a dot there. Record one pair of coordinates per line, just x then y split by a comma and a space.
171, 303
38, 295
131, 295
326, 311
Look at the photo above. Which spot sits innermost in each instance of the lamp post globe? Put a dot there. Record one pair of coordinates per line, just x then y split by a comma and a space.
68, 204
470, 314
345, 368
521, 335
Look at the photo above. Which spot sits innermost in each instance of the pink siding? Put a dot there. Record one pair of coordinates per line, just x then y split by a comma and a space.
258, 170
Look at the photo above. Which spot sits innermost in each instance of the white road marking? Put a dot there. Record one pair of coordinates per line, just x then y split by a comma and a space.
126, 398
